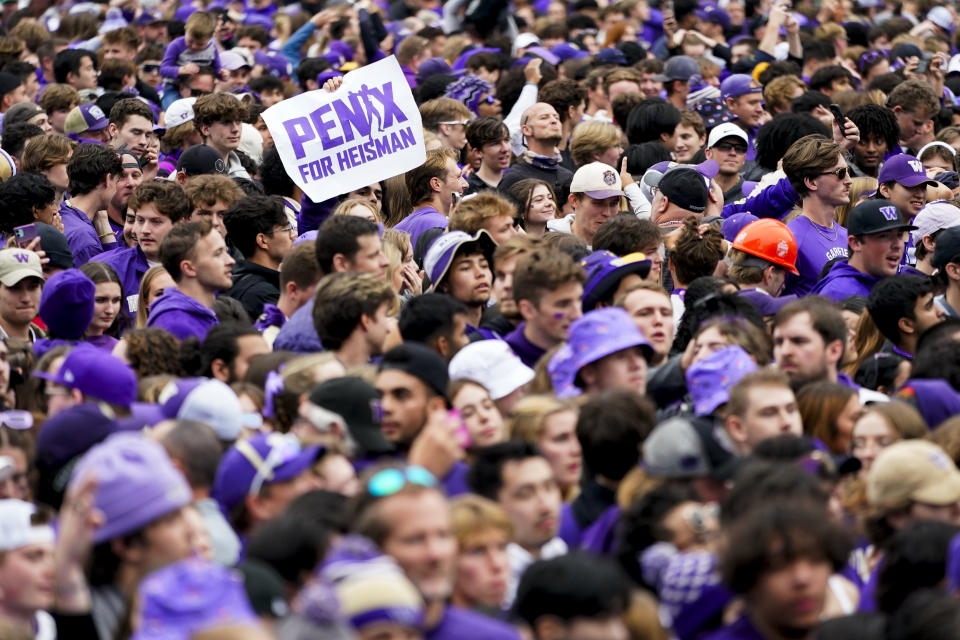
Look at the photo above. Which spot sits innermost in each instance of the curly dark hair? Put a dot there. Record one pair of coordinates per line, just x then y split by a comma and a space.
876, 122
152, 351
779, 134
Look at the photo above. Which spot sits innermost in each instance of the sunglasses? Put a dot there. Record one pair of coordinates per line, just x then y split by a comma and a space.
463, 122
150, 68
840, 173
725, 147
390, 481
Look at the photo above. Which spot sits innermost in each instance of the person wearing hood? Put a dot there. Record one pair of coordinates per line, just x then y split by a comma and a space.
877, 236
196, 257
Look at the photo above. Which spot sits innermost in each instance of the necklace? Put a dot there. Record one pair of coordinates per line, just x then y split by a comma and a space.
823, 234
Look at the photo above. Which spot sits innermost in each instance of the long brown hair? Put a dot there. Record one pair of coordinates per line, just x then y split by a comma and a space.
820, 404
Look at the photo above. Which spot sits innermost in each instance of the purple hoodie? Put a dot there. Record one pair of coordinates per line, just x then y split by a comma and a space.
181, 315
843, 281
463, 624
130, 264
82, 235
528, 352
420, 220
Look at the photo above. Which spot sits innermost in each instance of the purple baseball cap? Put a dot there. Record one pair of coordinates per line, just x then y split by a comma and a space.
66, 305
190, 596
205, 400
326, 75
766, 304
461, 62
605, 270
547, 55
709, 380
432, 66
935, 399
713, 13
341, 49
276, 64
566, 51
599, 333
183, 12
739, 84
263, 459
149, 16
97, 374
444, 248
610, 55
904, 169
85, 117
136, 483
731, 226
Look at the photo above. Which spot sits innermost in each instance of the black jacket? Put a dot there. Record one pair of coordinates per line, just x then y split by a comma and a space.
254, 286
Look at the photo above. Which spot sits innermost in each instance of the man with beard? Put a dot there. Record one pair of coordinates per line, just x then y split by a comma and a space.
518, 477
402, 510
542, 130
459, 266
129, 180
505, 317
809, 336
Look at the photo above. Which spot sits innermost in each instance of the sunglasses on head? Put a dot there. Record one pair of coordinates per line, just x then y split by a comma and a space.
389, 481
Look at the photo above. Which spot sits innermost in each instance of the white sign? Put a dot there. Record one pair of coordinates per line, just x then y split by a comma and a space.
367, 130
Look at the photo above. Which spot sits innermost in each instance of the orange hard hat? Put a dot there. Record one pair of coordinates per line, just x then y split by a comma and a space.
771, 240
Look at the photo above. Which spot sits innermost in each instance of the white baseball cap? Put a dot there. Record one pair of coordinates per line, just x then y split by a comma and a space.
179, 112
933, 217
725, 130
493, 364
16, 528
597, 180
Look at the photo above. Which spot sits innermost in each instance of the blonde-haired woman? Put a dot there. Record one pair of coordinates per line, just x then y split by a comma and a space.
551, 424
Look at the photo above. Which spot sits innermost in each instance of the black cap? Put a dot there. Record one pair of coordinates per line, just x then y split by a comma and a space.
421, 362
947, 248
8, 82
875, 216
201, 160
356, 401
54, 244
686, 188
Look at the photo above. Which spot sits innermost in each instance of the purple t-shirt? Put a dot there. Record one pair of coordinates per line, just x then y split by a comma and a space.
528, 352
816, 246
419, 221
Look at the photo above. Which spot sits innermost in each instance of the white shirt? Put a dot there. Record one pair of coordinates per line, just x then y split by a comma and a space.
520, 559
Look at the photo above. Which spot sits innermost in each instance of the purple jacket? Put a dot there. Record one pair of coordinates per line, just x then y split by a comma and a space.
298, 333
181, 315
130, 264
178, 55
81, 235
420, 220
742, 629
528, 352
462, 624
843, 281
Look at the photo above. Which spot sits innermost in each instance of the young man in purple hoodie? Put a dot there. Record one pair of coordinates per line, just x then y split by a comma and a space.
433, 187
877, 233
196, 257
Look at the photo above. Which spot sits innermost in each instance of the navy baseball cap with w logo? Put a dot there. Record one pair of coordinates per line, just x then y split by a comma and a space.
875, 216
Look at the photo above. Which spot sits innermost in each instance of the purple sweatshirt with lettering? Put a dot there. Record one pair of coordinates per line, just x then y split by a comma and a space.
843, 281
816, 246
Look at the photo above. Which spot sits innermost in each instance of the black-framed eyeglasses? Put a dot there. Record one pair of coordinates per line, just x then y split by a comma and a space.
840, 173
725, 147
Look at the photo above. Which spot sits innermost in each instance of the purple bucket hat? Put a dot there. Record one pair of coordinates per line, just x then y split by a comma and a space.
605, 269
190, 596
444, 248
96, 374
263, 459
461, 62
566, 51
596, 335
136, 483
274, 63
710, 380
904, 169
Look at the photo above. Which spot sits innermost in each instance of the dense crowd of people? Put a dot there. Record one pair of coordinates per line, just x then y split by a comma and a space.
661, 340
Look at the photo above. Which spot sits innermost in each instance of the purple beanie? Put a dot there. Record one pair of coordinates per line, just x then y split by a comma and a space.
136, 483
66, 305
468, 90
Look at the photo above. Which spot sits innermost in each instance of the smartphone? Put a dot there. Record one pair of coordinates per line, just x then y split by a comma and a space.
460, 433
838, 116
924, 64
25, 234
